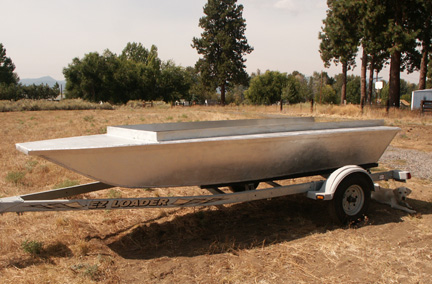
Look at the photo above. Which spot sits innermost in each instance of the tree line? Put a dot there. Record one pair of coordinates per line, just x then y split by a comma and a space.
138, 74
388, 32
274, 87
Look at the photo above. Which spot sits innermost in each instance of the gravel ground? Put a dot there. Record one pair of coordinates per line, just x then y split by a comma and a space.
417, 162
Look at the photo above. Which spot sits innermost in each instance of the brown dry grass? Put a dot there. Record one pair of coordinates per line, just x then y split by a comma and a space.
286, 239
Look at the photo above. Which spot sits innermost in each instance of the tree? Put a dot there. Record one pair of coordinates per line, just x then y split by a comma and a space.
7, 75
296, 89
383, 94
329, 95
373, 41
136, 52
236, 94
316, 84
340, 37
377, 61
401, 34
425, 38
291, 92
372, 30
406, 90
197, 92
354, 89
222, 45
10, 91
137, 74
145, 66
266, 88
174, 83
85, 78
429, 74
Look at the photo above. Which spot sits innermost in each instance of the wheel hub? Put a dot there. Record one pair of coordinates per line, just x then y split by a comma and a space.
353, 200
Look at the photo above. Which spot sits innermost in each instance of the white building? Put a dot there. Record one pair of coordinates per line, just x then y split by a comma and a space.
418, 96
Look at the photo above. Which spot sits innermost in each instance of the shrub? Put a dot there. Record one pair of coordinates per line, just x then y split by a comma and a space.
32, 247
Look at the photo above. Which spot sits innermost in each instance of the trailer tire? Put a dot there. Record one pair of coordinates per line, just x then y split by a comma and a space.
351, 199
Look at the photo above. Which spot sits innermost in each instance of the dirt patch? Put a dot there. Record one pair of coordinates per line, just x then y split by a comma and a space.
418, 137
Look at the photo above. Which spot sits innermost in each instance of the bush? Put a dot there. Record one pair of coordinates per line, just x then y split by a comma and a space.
32, 247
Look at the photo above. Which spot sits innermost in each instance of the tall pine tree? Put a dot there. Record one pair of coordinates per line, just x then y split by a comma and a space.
401, 34
375, 55
222, 45
425, 38
340, 37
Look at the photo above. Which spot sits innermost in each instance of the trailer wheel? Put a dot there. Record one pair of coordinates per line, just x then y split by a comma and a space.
351, 199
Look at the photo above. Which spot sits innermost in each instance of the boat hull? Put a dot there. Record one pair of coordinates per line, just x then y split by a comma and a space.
223, 160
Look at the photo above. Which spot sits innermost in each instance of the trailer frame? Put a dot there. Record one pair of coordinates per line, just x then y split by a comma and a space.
352, 203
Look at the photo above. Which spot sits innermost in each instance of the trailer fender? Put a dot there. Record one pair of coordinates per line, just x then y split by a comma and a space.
329, 187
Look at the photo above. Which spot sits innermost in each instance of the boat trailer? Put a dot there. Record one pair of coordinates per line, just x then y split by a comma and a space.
347, 188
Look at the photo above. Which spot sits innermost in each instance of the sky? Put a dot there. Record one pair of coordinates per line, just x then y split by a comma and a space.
42, 37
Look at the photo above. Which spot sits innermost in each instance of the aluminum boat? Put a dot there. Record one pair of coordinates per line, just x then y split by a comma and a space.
216, 152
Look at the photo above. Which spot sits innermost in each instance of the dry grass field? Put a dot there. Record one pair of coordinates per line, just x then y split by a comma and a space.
283, 240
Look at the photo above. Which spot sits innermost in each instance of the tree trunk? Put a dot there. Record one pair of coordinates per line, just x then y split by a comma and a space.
223, 95
394, 84
423, 66
344, 82
425, 57
370, 87
363, 78
395, 61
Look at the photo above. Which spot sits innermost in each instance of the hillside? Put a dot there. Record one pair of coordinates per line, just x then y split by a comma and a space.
42, 80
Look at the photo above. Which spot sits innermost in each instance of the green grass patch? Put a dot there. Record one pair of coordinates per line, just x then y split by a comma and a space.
32, 247
16, 177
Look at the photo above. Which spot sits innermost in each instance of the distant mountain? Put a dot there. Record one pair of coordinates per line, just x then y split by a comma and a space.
43, 80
